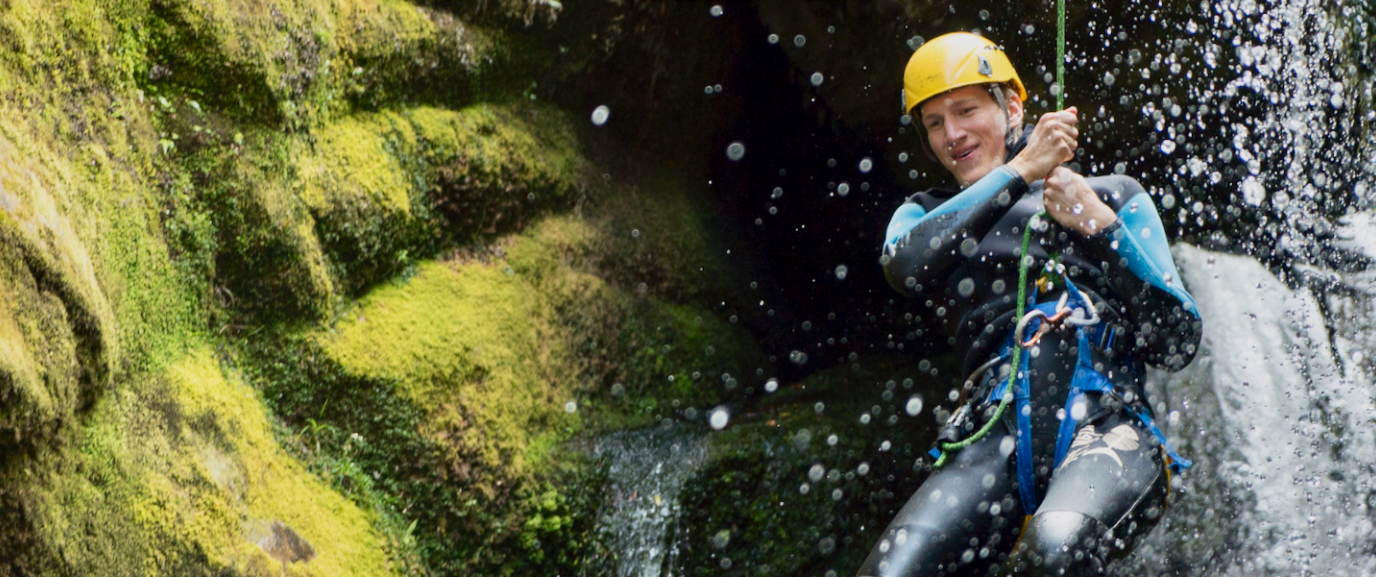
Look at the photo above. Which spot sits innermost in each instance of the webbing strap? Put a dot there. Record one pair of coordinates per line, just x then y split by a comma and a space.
1084, 380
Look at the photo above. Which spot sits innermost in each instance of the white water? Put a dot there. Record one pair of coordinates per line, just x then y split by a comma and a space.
1282, 429
646, 469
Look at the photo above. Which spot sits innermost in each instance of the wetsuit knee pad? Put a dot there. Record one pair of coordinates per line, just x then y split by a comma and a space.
1063, 544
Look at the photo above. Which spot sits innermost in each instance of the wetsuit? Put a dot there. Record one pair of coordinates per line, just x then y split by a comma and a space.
957, 255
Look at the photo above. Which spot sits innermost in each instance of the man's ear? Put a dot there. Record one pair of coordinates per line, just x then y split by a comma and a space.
1015, 108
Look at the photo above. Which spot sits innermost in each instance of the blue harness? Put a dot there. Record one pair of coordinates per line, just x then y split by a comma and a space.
1085, 380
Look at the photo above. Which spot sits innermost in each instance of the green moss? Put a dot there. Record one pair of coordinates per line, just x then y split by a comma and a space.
472, 346
179, 473
389, 188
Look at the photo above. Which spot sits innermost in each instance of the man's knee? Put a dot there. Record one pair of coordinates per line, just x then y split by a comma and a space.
1063, 544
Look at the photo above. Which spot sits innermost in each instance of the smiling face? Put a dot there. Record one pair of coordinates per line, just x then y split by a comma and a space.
966, 128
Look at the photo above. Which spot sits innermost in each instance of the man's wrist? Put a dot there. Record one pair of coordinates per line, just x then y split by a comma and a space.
1105, 231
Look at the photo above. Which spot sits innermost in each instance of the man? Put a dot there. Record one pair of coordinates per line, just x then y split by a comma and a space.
1075, 472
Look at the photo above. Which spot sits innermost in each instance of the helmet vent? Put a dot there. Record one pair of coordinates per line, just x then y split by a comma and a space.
984, 67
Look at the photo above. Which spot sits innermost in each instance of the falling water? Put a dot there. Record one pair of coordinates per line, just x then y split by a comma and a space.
1278, 405
646, 469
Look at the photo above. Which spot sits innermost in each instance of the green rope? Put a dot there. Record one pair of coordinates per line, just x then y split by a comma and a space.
1024, 261
1060, 55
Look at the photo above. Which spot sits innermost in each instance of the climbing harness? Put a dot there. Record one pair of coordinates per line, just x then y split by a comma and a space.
1074, 309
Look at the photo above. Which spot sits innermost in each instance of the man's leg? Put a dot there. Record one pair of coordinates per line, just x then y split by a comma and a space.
1110, 490
961, 521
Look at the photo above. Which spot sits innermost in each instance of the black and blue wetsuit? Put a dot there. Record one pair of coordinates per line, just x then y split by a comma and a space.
957, 255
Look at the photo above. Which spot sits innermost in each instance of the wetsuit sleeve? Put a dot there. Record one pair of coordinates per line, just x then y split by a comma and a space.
1137, 263
922, 248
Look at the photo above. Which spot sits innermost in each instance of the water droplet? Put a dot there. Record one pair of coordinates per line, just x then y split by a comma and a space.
735, 151
819, 407
719, 418
1132, 207
721, 539
571, 407
771, 385
816, 79
835, 494
773, 38
797, 357
816, 472
914, 405
999, 286
600, 115
832, 439
841, 272
988, 481
618, 389
966, 287
777, 193
843, 189
969, 246
1146, 232
716, 10
1167, 146
1108, 79
799, 40
865, 419
1077, 411
863, 469
635, 233
1078, 208
885, 446
866, 164
1252, 191
1007, 445
884, 546
826, 545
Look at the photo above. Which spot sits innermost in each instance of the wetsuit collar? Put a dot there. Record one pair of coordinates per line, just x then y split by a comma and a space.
1018, 145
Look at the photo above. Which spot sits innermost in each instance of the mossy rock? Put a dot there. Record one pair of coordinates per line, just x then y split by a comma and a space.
802, 481
389, 188
180, 473
58, 336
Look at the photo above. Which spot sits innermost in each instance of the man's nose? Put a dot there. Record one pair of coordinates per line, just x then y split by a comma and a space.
954, 132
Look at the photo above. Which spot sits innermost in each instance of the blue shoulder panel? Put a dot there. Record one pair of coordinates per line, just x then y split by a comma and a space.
904, 220
1141, 241
909, 215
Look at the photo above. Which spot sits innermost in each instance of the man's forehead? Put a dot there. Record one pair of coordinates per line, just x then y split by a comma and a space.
957, 96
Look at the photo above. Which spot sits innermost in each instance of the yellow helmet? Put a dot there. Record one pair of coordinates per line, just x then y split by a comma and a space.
954, 60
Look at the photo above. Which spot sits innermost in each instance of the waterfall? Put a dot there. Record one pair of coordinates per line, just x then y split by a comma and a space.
1277, 412
646, 469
